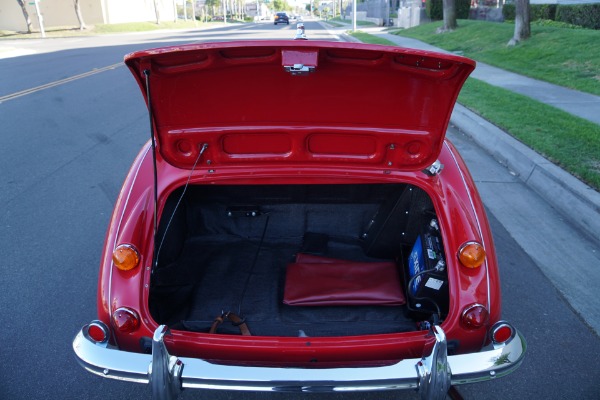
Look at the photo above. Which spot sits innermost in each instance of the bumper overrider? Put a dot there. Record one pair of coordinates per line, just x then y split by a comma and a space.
431, 375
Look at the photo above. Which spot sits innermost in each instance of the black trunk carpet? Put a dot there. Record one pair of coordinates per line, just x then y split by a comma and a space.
246, 277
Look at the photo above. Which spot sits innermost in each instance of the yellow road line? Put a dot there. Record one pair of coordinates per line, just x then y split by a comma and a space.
57, 83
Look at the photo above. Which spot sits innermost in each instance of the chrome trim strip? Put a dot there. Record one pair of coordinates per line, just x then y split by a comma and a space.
141, 158
462, 176
108, 362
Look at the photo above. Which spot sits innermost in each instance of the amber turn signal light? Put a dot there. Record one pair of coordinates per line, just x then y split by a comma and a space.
125, 257
471, 255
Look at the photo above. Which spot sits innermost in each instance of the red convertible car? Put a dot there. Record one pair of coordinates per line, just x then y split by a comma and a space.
327, 238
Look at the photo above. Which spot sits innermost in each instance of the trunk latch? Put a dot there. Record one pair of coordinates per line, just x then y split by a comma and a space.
299, 69
300, 61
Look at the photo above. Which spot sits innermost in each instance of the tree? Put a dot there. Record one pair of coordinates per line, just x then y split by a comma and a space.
194, 11
312, 6
26, 15
281, 5
79, 15
156, 12
449, 16
522, 25
212, 4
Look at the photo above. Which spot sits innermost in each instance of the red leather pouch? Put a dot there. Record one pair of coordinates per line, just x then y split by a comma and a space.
324, 281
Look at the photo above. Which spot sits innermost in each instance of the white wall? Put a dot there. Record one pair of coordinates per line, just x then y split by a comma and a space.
57, 13
118, 11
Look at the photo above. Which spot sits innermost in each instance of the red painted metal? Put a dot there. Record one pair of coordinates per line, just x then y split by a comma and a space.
367, 114
453, 198
238, 97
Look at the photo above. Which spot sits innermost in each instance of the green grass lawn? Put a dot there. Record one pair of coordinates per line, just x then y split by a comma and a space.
368, 38
143, 26
564, 56
568, 141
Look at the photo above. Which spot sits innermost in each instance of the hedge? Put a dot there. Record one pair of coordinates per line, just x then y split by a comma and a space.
536, 11
435, 9
585, 15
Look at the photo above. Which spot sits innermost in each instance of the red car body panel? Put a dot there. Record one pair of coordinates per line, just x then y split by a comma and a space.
406, 97
299, 138
371, 119
131, 288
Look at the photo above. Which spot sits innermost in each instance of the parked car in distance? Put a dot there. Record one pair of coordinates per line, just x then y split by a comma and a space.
281, 18
308, 242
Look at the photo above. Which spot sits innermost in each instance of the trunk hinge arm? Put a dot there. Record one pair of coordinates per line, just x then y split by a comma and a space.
155, 172
434, 169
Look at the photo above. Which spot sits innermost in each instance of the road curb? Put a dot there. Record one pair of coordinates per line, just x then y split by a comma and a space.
577, 202
349, 38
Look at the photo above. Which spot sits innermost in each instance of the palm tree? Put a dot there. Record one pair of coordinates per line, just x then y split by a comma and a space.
79, 15
26, 15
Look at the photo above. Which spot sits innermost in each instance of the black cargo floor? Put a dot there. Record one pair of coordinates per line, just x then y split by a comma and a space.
232, 274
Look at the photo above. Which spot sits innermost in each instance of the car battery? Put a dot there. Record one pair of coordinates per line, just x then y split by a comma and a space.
427, 277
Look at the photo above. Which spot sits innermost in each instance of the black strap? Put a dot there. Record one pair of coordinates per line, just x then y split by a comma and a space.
235, 321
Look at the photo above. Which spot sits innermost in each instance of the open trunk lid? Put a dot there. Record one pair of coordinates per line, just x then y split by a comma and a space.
300, 102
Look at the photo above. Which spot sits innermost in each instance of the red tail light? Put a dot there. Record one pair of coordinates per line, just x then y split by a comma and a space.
125, 320
475, 316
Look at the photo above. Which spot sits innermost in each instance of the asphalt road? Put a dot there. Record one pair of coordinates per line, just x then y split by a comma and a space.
64, 152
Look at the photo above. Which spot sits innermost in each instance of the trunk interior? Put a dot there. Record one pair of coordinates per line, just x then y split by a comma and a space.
226, 248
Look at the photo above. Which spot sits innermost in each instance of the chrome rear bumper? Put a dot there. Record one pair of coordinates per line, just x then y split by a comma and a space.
431, 375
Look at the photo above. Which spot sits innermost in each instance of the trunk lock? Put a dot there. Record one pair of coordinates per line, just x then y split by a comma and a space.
299, 69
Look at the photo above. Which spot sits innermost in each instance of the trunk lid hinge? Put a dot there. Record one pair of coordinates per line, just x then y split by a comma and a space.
434, 169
